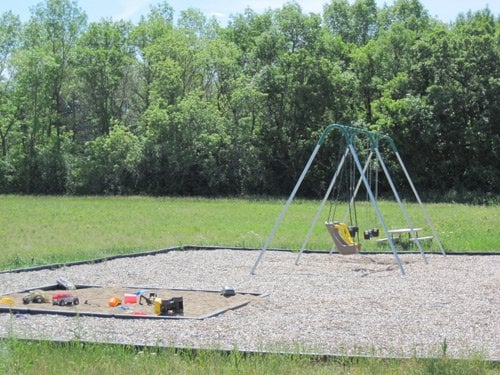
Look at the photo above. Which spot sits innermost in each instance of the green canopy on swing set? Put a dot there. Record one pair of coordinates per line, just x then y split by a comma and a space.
350, 134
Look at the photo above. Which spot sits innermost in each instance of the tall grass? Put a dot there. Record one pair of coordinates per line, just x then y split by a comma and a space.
40, 230
40, 358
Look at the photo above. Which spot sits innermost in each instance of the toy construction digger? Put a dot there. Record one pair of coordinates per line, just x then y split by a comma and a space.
172, 306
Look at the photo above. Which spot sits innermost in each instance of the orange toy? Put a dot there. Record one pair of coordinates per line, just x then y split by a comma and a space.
114, 301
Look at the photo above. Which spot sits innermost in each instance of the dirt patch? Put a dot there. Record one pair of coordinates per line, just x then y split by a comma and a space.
94, 301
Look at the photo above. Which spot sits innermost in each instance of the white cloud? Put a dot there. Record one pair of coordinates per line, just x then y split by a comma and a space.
315, 6
217, 15
131, 9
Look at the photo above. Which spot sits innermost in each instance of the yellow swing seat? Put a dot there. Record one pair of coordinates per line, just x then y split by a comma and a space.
342, 239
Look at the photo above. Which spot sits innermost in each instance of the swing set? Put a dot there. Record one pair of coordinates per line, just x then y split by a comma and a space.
346, 237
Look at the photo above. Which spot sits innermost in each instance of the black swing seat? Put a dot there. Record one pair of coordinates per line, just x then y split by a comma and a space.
341, 245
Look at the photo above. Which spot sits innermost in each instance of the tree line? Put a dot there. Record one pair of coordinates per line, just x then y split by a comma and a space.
191, 107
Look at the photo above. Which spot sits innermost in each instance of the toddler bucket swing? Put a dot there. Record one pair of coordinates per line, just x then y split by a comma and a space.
343, 236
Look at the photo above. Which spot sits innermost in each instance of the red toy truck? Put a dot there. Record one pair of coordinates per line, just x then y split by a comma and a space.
63, 299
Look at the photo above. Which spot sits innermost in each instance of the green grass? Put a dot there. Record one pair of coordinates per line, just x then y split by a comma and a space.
41, 230
26, 357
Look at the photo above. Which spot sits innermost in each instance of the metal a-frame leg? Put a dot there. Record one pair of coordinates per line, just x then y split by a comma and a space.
285, 208
401, 205
422, 207
322, 204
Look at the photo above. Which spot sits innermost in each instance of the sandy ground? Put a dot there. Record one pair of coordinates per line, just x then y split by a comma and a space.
96, 301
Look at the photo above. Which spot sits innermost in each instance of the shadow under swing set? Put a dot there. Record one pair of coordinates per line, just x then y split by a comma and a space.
343, 236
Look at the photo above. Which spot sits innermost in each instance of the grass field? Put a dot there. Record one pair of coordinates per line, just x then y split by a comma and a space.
45, 358
41, 230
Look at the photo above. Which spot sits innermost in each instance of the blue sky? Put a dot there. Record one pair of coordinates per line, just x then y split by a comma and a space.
445, 10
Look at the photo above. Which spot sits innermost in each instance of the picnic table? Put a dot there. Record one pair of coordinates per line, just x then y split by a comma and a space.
398, 235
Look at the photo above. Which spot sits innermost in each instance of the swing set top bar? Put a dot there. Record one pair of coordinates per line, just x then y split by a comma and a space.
350, 132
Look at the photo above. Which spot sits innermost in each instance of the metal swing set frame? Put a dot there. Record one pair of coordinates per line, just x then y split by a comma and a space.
374, 138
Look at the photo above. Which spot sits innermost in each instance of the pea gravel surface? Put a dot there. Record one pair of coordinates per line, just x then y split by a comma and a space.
328, 304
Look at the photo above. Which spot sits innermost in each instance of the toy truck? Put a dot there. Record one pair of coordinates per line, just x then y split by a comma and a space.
63, 299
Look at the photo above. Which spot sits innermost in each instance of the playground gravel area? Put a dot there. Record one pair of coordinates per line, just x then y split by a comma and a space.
328, 304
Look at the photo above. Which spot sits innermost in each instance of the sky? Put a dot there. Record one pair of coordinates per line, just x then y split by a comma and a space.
445, 10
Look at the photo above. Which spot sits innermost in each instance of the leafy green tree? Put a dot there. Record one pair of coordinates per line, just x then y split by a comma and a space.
186, 148
40, 68
158, 23
337, 16
109, 165
10, 29
61, 23
411, 14
466, 102
105, 61
356, 23
365, 21
33, 68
